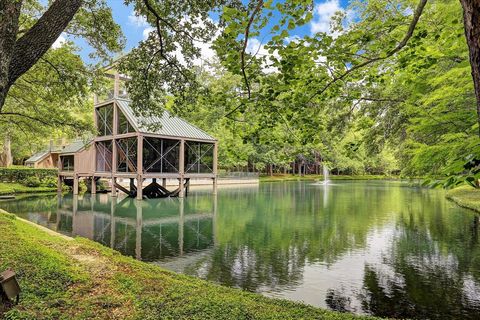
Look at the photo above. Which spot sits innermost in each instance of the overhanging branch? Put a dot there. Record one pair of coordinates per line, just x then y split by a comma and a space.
400, 45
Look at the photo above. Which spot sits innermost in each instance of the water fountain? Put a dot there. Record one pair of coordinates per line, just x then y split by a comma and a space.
326, 173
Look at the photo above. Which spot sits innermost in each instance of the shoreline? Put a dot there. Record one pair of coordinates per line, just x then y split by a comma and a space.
290, 177
83, 279
466, 197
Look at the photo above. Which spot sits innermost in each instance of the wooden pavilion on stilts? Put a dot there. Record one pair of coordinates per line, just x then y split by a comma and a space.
139, 148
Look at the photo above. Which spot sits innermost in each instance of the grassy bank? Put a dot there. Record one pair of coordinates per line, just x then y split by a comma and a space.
466, 197
313, 177
13, 188
79, 279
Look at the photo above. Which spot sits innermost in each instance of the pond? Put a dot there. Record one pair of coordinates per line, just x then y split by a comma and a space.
376, 247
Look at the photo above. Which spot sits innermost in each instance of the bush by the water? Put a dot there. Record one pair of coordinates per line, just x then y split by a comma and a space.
30, 177
32, 181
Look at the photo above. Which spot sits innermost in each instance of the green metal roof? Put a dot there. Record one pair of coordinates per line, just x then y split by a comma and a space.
166, 125
75, 146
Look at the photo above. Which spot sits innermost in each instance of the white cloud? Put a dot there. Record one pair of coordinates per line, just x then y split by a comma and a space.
256, 48
322, 15
146, 32
59, 42
137, 20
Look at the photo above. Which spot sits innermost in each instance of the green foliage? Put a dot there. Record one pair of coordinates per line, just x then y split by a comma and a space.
21, 174
32, 181
53, 98
17, 188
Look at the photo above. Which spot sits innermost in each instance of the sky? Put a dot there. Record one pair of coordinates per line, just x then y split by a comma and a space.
136, 29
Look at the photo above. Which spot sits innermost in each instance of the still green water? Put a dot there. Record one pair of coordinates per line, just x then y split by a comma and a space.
380, 248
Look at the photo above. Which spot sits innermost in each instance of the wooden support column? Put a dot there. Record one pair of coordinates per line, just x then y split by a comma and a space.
113, 179
140, 167
60, 178
114, 188
59, 183
75, 185
181, 169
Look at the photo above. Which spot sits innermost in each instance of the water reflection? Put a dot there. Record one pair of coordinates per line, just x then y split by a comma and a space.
380, 248
147, 230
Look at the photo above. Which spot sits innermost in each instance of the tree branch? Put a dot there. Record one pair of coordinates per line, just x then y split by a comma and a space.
39, 38
245, 43
158, 19
400, 45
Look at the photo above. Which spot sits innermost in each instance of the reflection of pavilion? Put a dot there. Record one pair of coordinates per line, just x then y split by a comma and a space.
148, 230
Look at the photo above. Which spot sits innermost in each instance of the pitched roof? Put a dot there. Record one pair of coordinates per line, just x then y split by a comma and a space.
75, 146
38, 156
166, 125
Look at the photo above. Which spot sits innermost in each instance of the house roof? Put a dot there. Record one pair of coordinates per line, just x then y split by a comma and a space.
38, 156
75, 146
166, 124
43, 154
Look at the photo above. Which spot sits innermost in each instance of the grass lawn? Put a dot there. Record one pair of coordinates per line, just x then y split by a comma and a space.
312, 177
64, 278
466, 197
12, 188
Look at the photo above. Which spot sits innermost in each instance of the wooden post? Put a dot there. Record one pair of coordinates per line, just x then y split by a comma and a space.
214, 185
60, 179
140, 187
114, 152
140, 167
114, 188
93, 188
181, 169
75, 185
59, 183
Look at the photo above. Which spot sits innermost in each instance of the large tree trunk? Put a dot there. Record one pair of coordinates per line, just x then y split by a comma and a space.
6, 159
471, 21
18, 56
9, 14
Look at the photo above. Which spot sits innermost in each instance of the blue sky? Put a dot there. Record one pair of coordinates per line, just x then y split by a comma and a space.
135, 28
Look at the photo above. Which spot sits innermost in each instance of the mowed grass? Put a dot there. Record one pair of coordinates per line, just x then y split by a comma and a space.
13, 188
65, 278
466, 197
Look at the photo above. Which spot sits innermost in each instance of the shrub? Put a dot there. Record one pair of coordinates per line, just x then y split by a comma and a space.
32, 182
22, 174
49, 182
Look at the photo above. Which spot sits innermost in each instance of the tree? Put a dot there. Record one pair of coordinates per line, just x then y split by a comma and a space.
471, 21
58, 83
23, 42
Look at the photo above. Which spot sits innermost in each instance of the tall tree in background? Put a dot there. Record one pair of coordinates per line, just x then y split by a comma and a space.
471, 22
